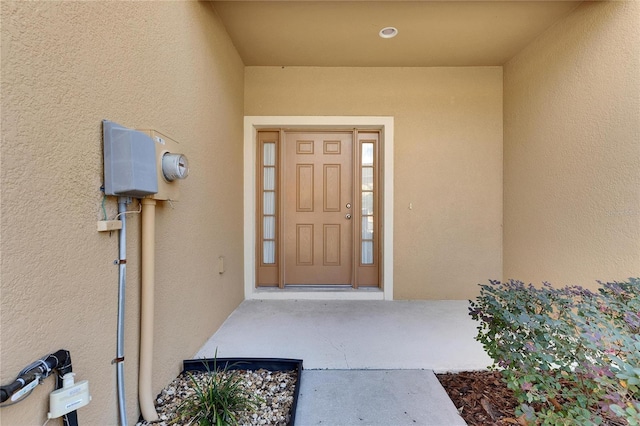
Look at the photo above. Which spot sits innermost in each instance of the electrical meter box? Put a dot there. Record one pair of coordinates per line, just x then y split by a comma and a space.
171, 166
130, 166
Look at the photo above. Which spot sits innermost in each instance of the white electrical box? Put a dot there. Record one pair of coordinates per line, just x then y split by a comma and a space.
71, 397
171, 166
130, 167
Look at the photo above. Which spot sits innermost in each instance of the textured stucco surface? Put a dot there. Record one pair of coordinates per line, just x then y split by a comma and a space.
571, 172
572, 150
448, 160
66, 66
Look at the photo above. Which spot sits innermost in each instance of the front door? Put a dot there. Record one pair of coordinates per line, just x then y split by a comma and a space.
317, 207
318, 216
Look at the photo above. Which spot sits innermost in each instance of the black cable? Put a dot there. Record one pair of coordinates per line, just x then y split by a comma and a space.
34, 371
71, 418
8, 390
59, 361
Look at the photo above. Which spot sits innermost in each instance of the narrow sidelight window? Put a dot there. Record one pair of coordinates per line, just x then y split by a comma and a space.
268, 203
367, 202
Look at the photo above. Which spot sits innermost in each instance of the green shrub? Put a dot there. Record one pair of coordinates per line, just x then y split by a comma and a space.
571, 356
219, 398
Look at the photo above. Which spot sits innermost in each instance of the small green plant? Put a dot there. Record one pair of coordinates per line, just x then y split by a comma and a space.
219, 397
571, 356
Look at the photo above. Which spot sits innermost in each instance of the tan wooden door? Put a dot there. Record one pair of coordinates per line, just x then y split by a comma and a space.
318, 209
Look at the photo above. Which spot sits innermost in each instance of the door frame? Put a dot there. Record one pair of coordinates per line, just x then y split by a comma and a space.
254, 123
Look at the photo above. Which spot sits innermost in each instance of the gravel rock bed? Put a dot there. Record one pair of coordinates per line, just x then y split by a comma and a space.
274, 388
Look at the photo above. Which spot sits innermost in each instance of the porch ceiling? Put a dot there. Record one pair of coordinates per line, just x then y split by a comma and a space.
345, 33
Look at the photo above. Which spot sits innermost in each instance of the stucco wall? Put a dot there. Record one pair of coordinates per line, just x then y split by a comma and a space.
65, 67
448, 160
572, 150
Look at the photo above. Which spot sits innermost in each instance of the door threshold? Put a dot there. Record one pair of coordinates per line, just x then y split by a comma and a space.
317, 292
316, 287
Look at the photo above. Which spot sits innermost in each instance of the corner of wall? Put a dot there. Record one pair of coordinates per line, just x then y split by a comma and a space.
571, 156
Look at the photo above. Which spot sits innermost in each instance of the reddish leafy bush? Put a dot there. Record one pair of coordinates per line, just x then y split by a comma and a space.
571, 356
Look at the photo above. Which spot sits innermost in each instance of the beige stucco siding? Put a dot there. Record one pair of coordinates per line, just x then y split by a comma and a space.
569, 119
448, 160
66, 66
572, 150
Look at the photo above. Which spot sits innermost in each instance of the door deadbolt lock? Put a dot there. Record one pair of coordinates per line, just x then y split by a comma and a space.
348, 215
348, 205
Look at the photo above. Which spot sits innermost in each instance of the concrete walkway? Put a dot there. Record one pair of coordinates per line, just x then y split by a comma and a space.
366, 362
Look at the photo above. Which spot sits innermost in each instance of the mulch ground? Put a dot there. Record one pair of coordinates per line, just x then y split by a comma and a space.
481, 397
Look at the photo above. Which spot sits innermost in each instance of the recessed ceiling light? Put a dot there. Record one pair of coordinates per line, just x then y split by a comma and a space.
388, 32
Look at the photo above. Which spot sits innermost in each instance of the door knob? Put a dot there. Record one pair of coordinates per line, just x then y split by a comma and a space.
348, 215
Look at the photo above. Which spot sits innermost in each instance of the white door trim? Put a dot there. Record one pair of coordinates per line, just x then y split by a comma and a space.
251, 125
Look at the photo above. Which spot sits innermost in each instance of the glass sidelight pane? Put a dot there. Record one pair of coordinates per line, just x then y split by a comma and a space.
269, 154
367, 253
367, 154
269, 252
367, 203
367, 227
367, 178
269, 178
269, 228
269, 204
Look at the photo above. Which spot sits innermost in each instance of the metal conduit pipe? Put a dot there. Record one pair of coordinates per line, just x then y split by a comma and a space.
145, 394
122, 277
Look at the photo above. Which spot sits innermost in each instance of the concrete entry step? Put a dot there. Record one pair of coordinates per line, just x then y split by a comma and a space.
424, 334
374, 397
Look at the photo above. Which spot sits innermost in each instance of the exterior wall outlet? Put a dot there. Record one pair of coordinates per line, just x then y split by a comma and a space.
109, 225
69, 398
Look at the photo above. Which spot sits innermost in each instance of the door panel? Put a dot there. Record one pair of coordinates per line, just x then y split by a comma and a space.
304, 187
304, 244
332, 250
332, 194
317, 186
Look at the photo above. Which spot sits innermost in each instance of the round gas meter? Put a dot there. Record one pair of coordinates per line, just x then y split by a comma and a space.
174, 166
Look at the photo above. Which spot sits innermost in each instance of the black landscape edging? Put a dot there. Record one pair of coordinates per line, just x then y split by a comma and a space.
271, 364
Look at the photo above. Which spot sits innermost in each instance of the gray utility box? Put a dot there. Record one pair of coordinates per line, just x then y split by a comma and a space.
129, 162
